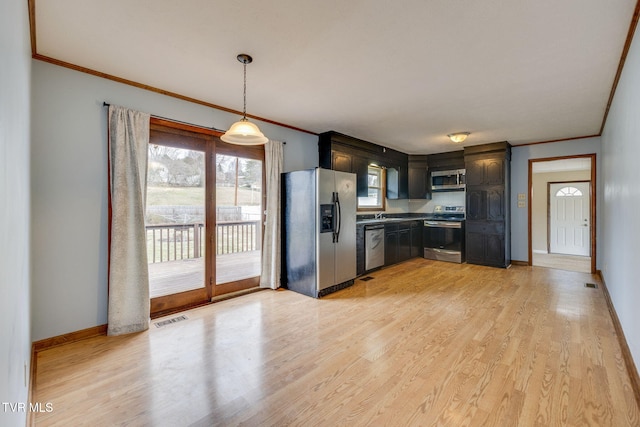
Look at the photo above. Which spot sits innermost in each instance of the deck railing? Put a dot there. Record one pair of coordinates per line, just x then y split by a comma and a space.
170, 242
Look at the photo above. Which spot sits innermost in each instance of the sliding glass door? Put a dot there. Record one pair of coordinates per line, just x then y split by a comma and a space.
204, 214
178, 246
239, 213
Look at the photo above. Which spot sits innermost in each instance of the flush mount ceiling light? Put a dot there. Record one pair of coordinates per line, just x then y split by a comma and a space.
244, 132
459, 137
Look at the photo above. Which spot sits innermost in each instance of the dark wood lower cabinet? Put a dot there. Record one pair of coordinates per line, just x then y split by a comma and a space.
390, 245
416, 239
494, 253
485, 243
474, 244
403, 241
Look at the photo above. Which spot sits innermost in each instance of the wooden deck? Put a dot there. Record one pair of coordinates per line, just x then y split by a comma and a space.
171, 277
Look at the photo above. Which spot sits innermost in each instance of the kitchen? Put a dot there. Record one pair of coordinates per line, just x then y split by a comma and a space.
58, 176
68, 288
455, 215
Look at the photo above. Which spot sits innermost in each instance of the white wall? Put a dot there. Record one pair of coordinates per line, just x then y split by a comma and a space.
520, 157
15, 339
621, 213
69, 187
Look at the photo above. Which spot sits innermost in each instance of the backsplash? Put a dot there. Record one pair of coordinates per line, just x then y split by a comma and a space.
450, 198
447, 198
397, 206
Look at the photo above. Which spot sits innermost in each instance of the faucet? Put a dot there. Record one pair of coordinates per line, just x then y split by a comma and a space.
379, 215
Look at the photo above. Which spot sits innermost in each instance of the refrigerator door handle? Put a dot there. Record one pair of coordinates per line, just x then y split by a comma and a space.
336, 200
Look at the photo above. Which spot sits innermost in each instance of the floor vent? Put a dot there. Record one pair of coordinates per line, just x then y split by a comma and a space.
366, 279
170, 321
591, 285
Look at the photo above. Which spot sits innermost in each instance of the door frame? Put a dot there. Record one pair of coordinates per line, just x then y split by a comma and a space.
592, 197
213, 144
549, 208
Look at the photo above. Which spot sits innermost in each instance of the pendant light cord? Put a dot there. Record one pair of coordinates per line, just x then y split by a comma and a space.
244, 108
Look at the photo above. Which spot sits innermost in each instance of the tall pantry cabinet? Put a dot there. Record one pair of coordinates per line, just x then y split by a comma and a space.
488, 222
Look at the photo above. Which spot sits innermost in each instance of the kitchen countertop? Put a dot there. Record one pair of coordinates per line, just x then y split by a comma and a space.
370, 221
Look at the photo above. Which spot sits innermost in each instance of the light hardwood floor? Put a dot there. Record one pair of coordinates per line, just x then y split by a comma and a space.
423, 343
563, 262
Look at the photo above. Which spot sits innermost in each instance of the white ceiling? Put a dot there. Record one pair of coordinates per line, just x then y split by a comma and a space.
402, 74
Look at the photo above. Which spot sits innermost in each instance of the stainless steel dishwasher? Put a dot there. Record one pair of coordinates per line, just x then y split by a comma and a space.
373, 246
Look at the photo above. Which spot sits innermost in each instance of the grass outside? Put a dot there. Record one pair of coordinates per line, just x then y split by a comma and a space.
194, 196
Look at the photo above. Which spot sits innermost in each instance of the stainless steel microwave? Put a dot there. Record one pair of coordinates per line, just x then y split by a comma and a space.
449, 180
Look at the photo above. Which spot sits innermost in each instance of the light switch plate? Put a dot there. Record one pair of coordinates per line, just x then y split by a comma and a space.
522, 196
522, 203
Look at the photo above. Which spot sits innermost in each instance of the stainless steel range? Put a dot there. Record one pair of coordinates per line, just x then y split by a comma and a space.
443, 236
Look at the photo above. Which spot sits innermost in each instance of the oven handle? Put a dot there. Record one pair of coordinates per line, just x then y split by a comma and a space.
442, 224
444, 251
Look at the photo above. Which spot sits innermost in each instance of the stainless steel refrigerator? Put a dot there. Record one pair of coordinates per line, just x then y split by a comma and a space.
318, 231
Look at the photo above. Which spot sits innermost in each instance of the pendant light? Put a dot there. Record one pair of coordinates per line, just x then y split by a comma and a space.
244, 132
458, 137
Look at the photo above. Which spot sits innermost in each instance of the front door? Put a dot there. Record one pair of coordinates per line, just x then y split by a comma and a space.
569, 218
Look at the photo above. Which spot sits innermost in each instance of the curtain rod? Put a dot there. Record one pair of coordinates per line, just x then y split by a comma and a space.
106, 104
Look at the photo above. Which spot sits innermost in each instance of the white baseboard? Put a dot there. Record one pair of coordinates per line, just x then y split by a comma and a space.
538, 251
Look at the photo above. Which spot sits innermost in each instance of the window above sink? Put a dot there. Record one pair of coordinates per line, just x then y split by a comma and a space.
375, 199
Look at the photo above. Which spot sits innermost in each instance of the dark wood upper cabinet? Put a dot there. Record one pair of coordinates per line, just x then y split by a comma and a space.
360, 166
418, 182
494, 171
446, 161
485, 172
496, 204
393, 187
487, 234
397, 182
341, 162
419, 186
421, 166
476, 204
332, 155
475, 172
342, 152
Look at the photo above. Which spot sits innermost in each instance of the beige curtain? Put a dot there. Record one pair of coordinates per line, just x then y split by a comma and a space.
273, 156
128, 269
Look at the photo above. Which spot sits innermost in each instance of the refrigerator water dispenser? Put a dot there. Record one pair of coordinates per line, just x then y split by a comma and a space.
326, 219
